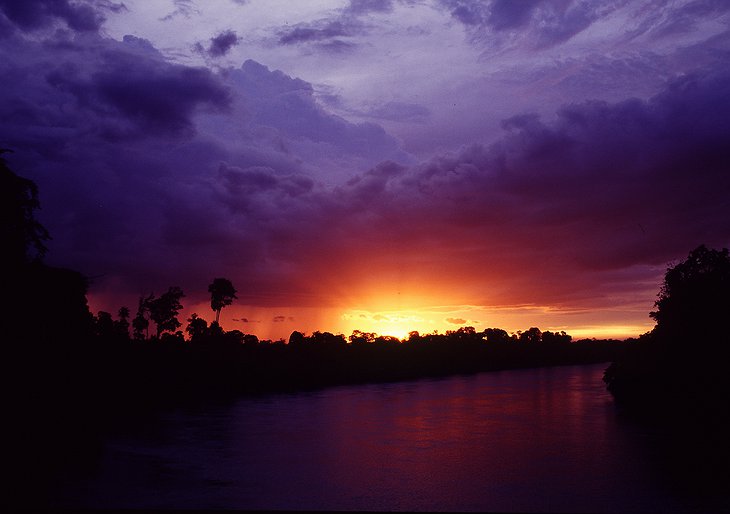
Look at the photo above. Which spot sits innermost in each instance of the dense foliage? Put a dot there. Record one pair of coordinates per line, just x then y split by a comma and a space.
681, 365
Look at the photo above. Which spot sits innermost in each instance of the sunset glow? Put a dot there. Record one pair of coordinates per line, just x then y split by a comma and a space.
382, 166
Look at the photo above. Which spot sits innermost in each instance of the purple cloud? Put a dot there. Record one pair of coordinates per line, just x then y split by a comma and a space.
133, 93
506, 14
153, 173
400, 111
30, 15
222, 43
367, 6
323, 30
544, 22
184, 8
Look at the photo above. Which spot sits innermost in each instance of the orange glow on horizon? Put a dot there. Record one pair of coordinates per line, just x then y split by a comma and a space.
401, 314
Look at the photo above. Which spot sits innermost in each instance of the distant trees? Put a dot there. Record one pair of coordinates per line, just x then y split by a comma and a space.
359, 337
222, 293
532, 335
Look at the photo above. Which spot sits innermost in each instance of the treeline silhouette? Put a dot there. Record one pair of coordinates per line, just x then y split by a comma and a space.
57, 340
231, 362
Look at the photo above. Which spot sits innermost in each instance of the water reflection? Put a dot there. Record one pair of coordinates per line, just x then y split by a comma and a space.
528, 440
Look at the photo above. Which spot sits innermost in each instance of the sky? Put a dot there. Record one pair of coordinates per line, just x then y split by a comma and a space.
380, 165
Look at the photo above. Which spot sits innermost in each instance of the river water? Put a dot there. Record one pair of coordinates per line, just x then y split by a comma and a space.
538, 440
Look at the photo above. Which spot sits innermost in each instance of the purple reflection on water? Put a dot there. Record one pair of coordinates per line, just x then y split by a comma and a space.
528, 440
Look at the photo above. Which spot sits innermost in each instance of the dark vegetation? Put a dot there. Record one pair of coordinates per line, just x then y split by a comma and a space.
683, 360
676, 376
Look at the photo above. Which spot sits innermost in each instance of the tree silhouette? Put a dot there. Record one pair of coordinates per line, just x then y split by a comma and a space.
104, 325
141, 323
496, 335
222, 293
296, 338
164, 310
121, 326
694, 300
40, 299
531, 336
683, 360
197, 327
22, 235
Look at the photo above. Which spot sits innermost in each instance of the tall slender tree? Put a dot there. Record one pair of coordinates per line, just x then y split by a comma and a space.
222, 293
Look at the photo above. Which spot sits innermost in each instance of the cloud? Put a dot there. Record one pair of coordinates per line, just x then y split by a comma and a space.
319, 31
542, 24
31, 15
601, 190
153, 173
506, 14
400, 111
289, 105
184, 8
455, 321
129, 90
683, 18
222, 43
538, 23
337, 33
149, 169
359, 7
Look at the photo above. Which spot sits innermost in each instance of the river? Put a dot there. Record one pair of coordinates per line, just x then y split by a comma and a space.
538, 440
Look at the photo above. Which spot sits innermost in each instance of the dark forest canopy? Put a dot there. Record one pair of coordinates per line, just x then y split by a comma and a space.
681, 365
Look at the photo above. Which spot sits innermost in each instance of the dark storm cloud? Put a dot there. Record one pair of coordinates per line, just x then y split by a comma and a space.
222, 43
153, 173
158, 101
544, 22
35, 14
144, 94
